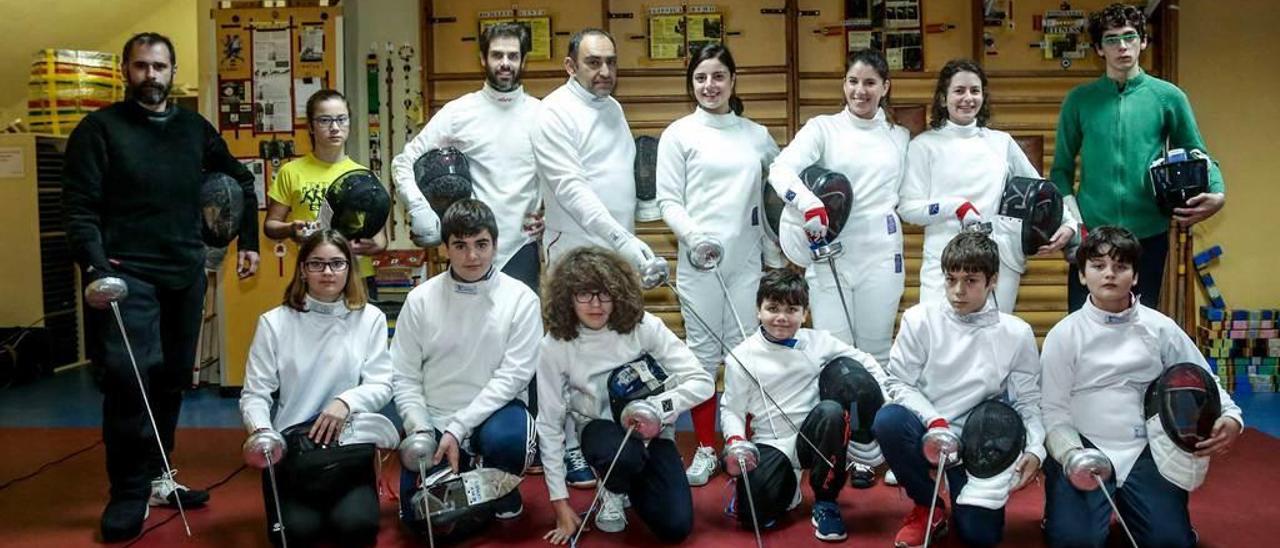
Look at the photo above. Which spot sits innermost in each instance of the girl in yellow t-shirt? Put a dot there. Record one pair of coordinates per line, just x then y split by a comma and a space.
294, 199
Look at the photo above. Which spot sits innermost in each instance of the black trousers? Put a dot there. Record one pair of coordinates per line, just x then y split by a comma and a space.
332, 499
651, 475
163, 326
526, 266
1150, 269
773, 481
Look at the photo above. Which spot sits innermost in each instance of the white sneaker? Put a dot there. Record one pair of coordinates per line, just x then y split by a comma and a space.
889, 478
165, 491
612, 517
702, 467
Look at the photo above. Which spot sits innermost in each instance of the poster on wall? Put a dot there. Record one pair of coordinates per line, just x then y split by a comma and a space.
703, 29
890, 26
857, 13
865, 39
666, 35
235, 111
312, 50
258, 168
272, 82
901, 14
231, 51
539, 28
904, 50
1063, 35
303, 89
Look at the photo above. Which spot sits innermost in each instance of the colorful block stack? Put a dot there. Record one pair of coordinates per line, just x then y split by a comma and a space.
1242, 347
1201, 261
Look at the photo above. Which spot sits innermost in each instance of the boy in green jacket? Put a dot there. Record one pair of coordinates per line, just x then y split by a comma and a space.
1119, 124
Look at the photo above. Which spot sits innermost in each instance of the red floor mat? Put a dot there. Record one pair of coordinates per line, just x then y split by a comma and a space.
60, 506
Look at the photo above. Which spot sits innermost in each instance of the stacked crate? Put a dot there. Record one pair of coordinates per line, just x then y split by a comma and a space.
65, 85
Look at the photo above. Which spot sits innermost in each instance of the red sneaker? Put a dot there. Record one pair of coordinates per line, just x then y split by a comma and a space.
911, 535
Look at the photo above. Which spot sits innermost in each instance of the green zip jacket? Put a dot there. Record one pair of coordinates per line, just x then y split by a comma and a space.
1118, 133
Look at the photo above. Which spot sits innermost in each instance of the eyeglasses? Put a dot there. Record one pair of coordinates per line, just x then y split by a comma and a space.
1115, 39
585, 297
331, 121
336, 265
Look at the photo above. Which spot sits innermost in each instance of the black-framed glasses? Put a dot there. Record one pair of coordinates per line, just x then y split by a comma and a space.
585, 297
330, 121
336, 265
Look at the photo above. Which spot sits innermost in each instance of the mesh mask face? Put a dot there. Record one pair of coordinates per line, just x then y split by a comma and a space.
443, 176
1039, 205
360, 204
1187, 401
993, 439
221, 209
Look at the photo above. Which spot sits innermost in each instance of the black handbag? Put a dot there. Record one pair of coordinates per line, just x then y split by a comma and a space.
322, 472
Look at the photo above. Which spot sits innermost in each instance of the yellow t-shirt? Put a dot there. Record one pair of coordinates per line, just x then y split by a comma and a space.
301, 184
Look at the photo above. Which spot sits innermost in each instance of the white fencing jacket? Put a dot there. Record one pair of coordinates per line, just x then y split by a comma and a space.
463, 350
572, 377
789, 374
1097, 366
312, 358
586, 158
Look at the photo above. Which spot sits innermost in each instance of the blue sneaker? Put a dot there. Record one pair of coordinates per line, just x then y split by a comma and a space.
577, 473
827, 523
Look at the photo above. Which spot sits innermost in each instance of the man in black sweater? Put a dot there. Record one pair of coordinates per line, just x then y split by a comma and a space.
131, 190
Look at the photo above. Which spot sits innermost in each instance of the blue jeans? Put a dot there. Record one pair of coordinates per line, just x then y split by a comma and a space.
899, 432
503, 441
1154, 509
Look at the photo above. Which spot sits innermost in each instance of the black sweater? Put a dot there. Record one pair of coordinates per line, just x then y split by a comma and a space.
131, 190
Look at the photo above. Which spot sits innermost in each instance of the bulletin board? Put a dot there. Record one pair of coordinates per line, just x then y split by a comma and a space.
893, 27
270, 60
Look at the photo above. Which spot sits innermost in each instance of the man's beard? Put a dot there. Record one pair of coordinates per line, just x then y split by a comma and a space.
492, 77
149, 93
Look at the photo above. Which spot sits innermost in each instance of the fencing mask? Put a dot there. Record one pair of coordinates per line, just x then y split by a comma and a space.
221, 209
845, 381
356, 205
836, 193
990, 445
1181, 406
444, 177
641, 378
1037, 203
1178, 177
454, 501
